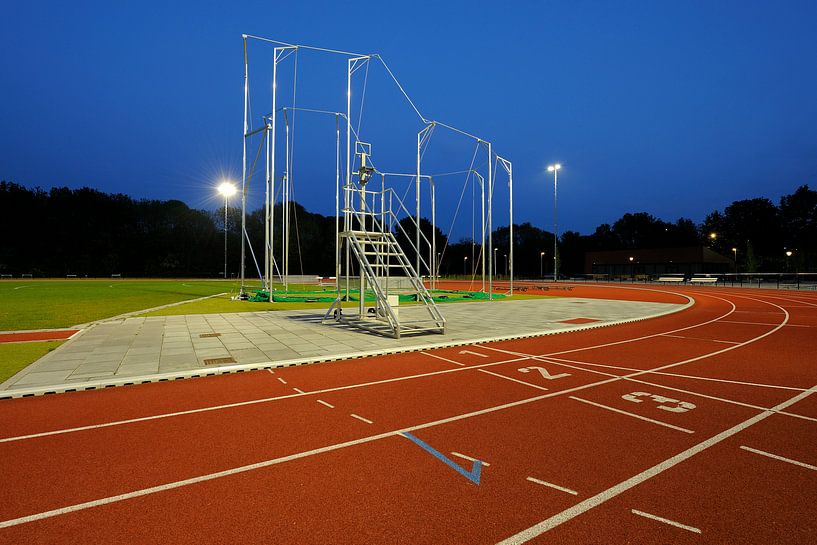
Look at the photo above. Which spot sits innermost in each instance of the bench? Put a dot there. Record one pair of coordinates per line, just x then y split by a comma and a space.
677, 279
703, 280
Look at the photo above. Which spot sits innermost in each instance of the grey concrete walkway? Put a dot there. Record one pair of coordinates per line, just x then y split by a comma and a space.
146, 349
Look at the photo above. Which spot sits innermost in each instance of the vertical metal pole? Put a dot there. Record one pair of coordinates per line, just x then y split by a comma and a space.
286, 209
417, 207
509, 168
482, 227
267, 283
272, 165
347, 201
337, 204
432, 258
244, 161
490, 223
555, 229
225, 237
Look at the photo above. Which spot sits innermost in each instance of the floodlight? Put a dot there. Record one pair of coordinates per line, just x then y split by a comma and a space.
227, 189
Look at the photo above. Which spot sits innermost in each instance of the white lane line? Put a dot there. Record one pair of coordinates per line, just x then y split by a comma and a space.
322, 402
271, 371
612, 492
699, 339
513, 379
678, 375
519, 538
442, 358
551, 485
644, 418
249, 402
384, 381
666, 521
762, 323
21, 287
282, 380
299, 390
353, 415
464, 457
781, 458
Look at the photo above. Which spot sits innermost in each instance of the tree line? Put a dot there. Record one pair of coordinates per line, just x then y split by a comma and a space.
86, 232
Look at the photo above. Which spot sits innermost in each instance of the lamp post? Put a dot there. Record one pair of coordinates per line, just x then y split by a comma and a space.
541, 264
735, 252
632, 270
506, 264
465, 266
228, 190
555, 170
788, 255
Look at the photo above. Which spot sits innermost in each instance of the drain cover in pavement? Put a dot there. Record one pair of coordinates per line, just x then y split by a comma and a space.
206, 335
219, 361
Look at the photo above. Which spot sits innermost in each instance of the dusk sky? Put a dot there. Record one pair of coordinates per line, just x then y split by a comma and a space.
673, 108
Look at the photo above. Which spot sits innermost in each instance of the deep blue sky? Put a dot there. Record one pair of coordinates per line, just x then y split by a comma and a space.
674, 108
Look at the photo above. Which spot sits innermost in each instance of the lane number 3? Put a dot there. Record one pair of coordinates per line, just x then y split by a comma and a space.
665, 403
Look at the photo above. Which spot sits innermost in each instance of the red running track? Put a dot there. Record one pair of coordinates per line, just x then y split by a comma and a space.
44, 335
699, 427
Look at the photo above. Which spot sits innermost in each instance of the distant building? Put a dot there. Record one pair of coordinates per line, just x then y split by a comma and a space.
657, 261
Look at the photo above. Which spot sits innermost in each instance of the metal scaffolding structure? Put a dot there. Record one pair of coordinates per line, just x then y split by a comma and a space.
367, 251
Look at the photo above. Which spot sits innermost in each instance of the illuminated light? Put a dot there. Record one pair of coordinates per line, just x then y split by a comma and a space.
227, 189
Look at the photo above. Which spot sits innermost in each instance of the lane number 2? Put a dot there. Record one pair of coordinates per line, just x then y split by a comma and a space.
665, 403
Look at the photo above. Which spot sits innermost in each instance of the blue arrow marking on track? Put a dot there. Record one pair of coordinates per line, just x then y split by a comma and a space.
473, 475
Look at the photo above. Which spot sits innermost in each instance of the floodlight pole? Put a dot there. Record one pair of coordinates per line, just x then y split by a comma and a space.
490, 220
225, 236
432, 258
267, 281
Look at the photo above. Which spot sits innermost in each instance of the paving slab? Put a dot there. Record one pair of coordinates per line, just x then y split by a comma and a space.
114, 352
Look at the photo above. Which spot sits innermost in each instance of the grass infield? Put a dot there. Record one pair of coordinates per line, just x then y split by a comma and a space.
15, 356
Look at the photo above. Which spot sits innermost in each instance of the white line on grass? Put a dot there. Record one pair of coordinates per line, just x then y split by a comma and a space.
644, 418
666, 521
781, 458
551, 485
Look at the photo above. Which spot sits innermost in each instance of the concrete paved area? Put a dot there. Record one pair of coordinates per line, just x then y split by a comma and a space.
143, 349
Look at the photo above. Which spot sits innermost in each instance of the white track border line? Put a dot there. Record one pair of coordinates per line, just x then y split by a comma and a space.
666, 521
551, 485
777, 457
605, 495
470, 459
518, 357
579, 508
644, 418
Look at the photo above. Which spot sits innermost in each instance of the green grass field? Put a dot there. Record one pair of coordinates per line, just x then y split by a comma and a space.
38, 304
15, 356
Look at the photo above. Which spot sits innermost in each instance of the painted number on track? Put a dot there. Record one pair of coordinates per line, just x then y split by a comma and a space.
664, 403
543, 372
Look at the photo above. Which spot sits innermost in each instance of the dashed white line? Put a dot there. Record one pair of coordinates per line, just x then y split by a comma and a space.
282, 380
599, 405
299, 390
551, 485
762, 323
322, 402
781, 458
700, 339
442, 358
353, 415
271, 372
513, 379
464, 457
666, 521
